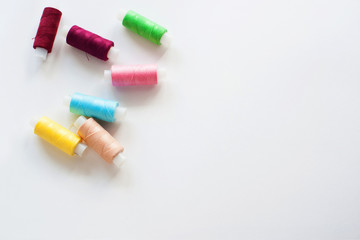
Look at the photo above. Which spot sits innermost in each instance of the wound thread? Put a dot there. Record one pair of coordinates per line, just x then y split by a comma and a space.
131, 75
100, 140
57, 135
96, 107
144, 27
89, 42
47, 30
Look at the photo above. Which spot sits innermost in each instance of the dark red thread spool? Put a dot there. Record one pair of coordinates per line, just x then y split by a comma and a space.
46, 32
91, 43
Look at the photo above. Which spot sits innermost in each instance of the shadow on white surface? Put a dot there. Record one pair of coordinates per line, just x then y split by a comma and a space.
136, 95
144, 44
85, 60
111, 127
88, 165
38, 66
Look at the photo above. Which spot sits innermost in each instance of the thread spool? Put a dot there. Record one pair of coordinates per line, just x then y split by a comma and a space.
58, 136
90, 106
90, 43
100, 140
131, 75
145, 27
46, 33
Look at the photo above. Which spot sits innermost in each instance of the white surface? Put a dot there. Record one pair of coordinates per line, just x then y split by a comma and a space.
67, 101
255, 135
65, 30
33, 121
121, 14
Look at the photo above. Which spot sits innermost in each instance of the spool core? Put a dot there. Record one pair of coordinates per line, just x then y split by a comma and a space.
41, 53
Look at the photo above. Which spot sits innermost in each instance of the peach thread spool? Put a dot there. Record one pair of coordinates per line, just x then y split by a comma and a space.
134, 75
96, 137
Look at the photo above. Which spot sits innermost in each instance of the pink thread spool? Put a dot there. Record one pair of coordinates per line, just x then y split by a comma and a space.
134, 75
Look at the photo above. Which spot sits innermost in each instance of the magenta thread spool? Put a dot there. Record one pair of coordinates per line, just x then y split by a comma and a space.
134, 75
46, 32
90, 43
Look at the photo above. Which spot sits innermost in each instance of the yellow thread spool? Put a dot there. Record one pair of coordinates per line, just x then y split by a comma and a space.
57, 135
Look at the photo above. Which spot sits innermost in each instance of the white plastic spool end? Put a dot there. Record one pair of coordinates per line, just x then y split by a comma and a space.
119, 160
41, 53
120, 113
161, 74
80, 149
33, 121
113, 54
67, 101
79, 122
121, 15
166, 39
107, 76
65, 30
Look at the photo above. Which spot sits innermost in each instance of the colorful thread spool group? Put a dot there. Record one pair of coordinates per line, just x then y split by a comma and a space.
90, 133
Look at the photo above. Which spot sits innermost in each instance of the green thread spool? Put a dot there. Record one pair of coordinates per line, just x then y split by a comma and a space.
145, 27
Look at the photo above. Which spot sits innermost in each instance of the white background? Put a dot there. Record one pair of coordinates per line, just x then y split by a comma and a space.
254, 135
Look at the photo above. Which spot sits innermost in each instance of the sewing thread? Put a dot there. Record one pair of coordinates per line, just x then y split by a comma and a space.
57, 135
47, 30
100, 140
89, 42
91, 106
128, 75
144, 27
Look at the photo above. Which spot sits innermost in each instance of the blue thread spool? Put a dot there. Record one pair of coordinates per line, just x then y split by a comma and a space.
96, 107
